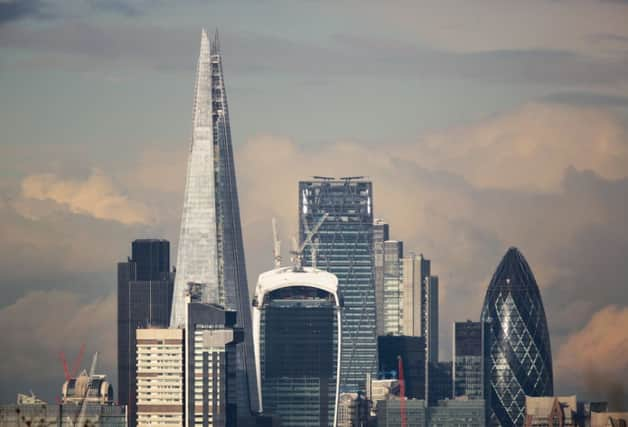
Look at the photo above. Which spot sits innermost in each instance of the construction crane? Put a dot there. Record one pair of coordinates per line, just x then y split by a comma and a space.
276, 245
297, 252
77, 363
402, 394
81, 418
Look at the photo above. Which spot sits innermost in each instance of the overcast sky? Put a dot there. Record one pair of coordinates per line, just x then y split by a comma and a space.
483, 125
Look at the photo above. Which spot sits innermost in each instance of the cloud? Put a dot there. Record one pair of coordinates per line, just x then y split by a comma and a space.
40, 325
12, 10
96, 197
587, 99
595, 355
530, 148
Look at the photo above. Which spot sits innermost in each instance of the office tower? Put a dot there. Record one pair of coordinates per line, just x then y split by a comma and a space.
160, 376
430, 325
519, 358
416, 273
297, 321
459, 413
345, 248
210, 244
393, 290
353, 410
89, 388
380, 235
412, 352
468, 368
438, 382
389, 413
211, 383
144, 299
555, 411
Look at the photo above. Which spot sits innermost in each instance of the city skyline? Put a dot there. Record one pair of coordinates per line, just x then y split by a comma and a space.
113, 169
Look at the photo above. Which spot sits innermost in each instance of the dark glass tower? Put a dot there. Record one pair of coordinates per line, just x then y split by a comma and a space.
144, 299
519, 358
297, 326
412, 352
467, 363
345, 248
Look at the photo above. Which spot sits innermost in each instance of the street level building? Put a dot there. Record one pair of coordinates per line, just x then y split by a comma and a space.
555, 411
459, 413
389, 413
160, 377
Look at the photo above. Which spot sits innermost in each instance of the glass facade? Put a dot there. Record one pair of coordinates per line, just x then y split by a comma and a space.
380, 235
468, 366
299, 355
210, 248
412, 352
519, 359
393, 288
345, 248
145, 289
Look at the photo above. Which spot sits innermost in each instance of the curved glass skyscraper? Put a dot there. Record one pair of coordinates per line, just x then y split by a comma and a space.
519, 359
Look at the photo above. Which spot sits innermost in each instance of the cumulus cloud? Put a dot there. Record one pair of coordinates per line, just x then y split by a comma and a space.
530, 148
592, 357
41, 324
97, 197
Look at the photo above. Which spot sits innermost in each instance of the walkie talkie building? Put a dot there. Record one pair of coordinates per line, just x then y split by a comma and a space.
297, 325
210, 249
518, 362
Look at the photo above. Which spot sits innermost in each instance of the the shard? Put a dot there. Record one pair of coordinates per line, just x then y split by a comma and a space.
210, 248
518, 359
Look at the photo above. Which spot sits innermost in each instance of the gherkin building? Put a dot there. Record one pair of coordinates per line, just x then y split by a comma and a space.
518, 357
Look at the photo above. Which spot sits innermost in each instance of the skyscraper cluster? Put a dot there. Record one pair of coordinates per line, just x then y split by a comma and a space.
347, 334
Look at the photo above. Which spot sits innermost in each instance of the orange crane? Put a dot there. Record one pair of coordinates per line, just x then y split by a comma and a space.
402, 393
77, 363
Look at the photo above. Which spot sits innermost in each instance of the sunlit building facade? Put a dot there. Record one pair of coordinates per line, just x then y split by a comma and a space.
210, 250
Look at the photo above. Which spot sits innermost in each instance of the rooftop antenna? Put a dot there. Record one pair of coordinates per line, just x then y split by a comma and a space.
276, 245
216, 47
297, 258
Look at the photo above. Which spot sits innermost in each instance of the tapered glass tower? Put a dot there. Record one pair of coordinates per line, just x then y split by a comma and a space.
210, 249
519, 358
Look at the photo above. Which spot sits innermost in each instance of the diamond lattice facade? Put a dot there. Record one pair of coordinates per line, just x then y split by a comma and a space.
519, 359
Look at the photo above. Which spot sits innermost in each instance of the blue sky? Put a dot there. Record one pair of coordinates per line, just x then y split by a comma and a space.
482, 124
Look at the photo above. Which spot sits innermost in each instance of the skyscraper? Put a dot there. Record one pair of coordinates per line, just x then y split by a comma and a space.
144, 299
296, 317
345, 248
467, 364
380, 235
393, 288
210, 250
519, 358
429, 317
420, 302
